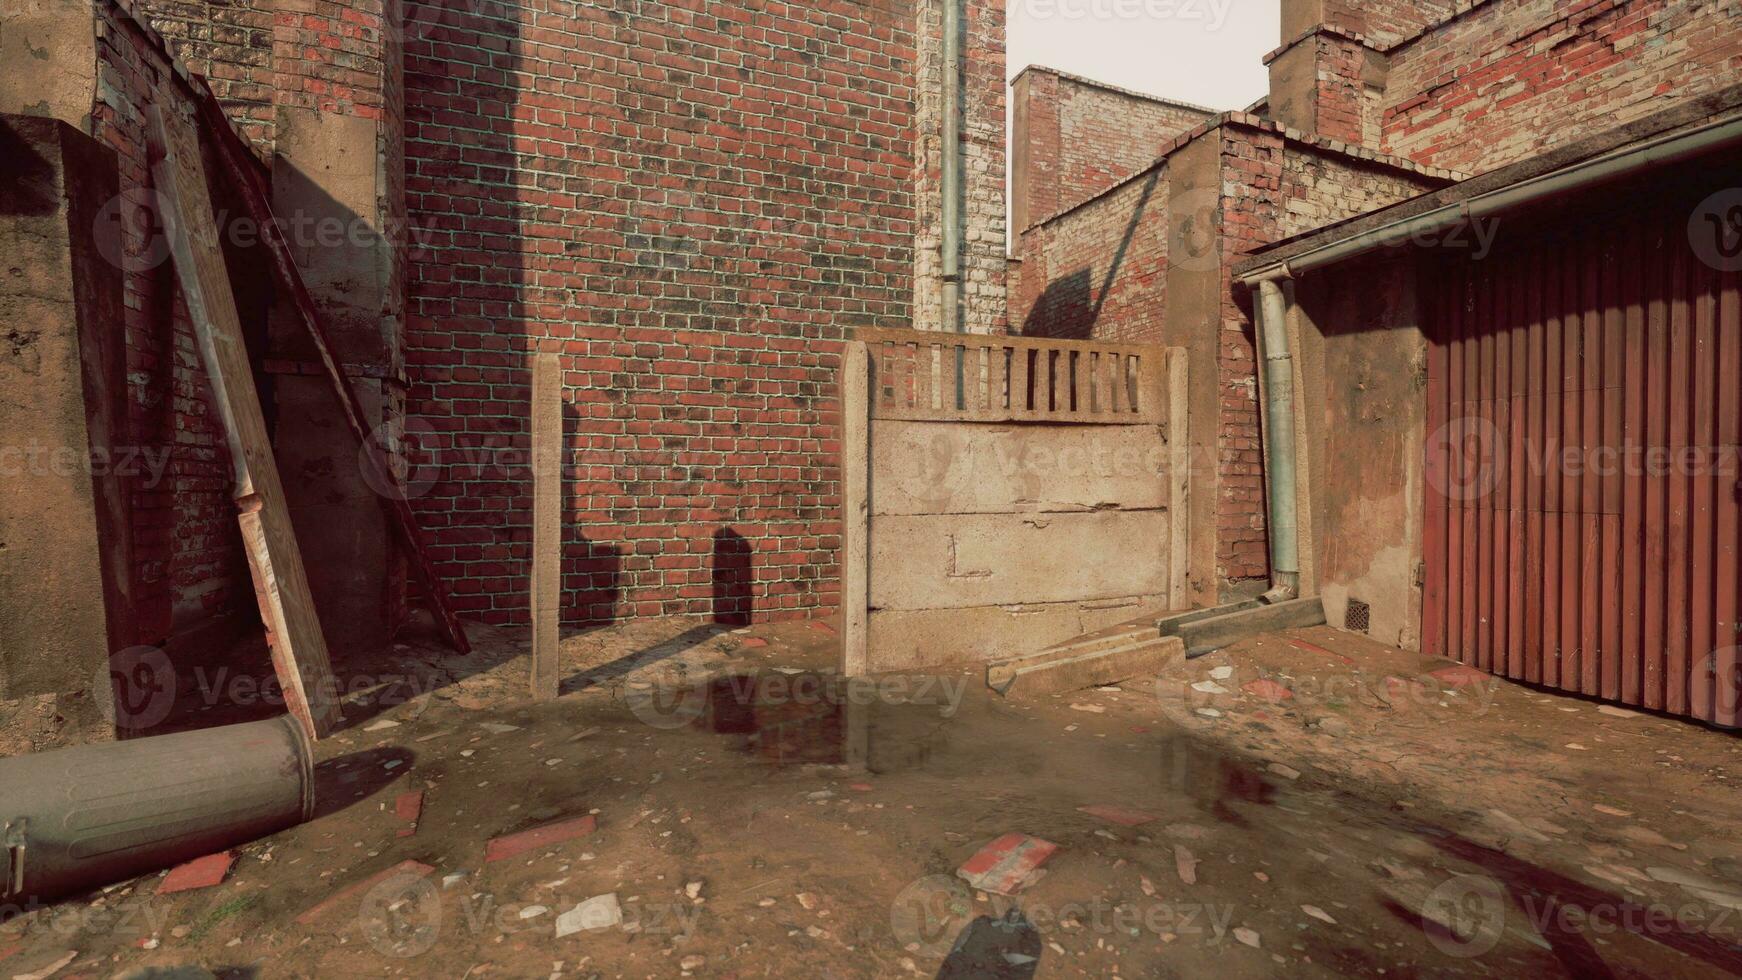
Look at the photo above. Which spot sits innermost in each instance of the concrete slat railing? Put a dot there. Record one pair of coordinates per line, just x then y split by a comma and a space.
971, 378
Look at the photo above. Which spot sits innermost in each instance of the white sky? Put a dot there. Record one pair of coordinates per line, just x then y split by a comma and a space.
1205, 52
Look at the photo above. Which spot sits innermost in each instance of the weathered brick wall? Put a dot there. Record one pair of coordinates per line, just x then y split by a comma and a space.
1098, 271
1513, 78
984, 98
692, 205
1079, 137
232, 45
1273, 188
1385, 22
1252, 205
1321, 188
261, 58
187, 555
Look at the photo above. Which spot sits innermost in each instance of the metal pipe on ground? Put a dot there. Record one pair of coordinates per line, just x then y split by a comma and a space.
77, 818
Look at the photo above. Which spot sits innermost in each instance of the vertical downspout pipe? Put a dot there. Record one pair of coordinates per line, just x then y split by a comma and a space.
1279, 446
952, 168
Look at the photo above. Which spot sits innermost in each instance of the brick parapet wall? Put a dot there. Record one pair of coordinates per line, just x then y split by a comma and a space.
1510, 79
1083, 137
693, 208
1099, 272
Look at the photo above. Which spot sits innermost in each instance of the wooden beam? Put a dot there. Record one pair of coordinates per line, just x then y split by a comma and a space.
299, 651
245, 178
1179, 466
855, 507
547, 495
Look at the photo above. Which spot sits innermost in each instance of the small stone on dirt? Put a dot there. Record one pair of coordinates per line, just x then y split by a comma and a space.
598, 912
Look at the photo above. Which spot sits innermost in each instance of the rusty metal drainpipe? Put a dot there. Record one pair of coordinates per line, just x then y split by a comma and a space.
1279, 445
952, 168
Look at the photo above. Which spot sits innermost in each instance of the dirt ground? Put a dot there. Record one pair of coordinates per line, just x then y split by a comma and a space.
1303, 804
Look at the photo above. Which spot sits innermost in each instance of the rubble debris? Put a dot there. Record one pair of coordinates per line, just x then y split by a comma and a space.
1004, 867
1267, 689
513, 845
1186, 864
1459, 676
408, 807
413, 869
598, 912
1121, 815
51, 968
199, 873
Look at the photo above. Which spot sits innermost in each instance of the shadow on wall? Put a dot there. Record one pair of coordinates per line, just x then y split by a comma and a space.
467, 281
1066, 309
1063, 310
732, 578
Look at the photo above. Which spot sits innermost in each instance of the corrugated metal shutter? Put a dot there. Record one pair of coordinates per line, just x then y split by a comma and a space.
1582, 487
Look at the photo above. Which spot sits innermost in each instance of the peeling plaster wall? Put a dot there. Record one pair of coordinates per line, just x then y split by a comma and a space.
1364, 368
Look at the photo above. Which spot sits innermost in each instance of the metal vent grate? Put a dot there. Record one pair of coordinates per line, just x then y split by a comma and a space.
1359, 617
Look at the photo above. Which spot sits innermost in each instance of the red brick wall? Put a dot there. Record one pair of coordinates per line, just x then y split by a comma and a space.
188, 564
232, 45
983, 150
1253, 204
692, 204
1077, 281
1514, 78
1082, 138
1386, 22
187, 555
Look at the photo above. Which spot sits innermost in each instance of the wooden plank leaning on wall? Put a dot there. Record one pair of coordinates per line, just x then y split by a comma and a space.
246, 181
547, 497
299, 650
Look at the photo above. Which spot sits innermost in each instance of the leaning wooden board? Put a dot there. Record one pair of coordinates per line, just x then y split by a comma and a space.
245, 180
547, 492
299, 651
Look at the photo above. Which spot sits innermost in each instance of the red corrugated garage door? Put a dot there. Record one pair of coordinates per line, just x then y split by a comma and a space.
1582, 481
